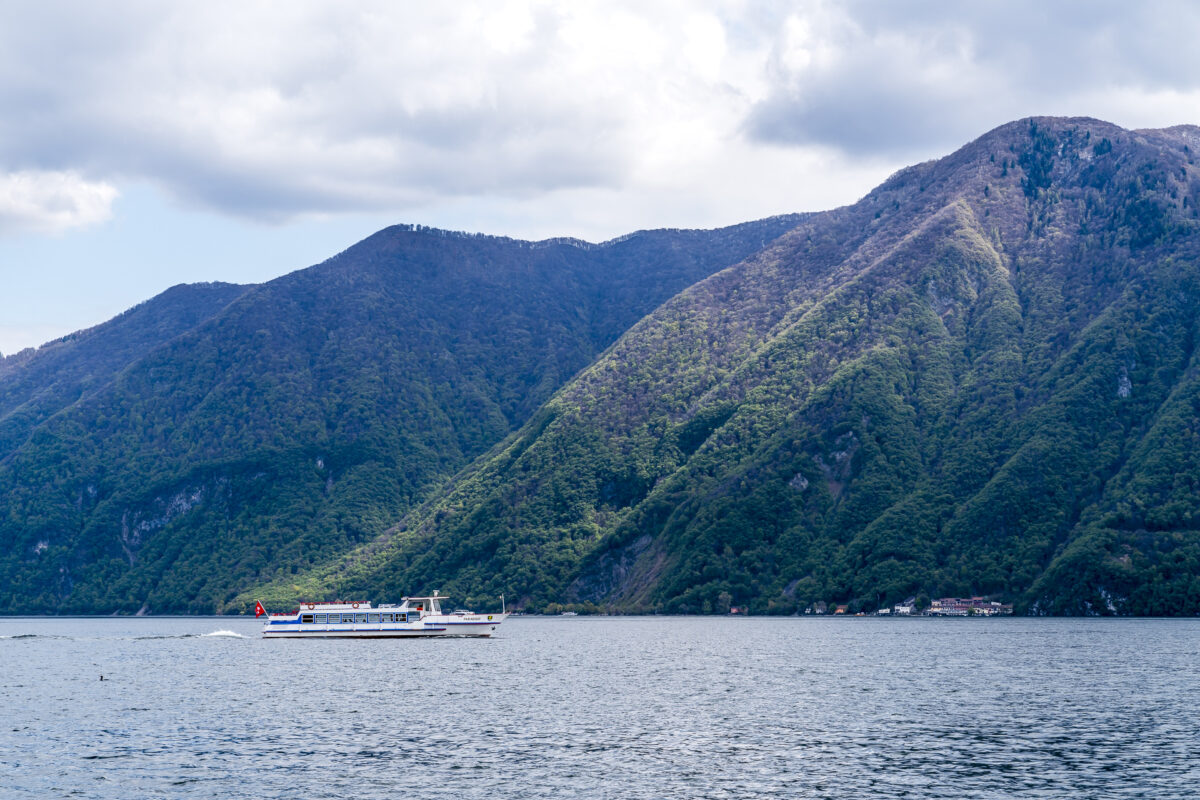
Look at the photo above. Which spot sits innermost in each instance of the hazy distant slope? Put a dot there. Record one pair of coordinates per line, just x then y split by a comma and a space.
309, 413
37, 383
980, 378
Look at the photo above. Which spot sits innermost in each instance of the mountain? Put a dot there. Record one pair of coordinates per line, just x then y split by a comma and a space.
36, 384
217, 437
980, 379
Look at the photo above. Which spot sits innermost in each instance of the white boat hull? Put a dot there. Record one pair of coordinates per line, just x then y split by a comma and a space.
426, 628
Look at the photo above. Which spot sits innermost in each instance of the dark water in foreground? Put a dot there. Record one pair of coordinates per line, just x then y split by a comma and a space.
605, 708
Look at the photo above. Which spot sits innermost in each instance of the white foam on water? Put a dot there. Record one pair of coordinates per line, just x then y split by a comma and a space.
231, 634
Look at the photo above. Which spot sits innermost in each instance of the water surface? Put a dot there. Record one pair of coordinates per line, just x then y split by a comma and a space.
648, 707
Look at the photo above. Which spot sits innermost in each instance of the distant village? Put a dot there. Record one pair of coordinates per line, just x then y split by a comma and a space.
912, 607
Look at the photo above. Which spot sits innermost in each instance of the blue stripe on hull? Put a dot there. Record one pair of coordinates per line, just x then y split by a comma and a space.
426, 632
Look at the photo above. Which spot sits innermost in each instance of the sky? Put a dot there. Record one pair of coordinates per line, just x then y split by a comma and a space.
146, 144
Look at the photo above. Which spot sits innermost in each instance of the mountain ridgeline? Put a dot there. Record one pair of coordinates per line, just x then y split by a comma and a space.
218, 437
980, 379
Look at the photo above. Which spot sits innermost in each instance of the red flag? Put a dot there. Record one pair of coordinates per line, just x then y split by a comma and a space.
258, 609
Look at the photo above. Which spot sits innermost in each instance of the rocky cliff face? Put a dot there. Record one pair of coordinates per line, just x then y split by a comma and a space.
980, 379
220, 436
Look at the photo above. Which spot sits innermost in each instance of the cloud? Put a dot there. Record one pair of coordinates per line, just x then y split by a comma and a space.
899, 79
52, 202
272, 111
275, 110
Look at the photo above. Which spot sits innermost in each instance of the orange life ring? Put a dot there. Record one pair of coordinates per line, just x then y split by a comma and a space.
356, 605
311, 606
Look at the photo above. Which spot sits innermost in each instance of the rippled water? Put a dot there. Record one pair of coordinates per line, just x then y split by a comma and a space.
605, 708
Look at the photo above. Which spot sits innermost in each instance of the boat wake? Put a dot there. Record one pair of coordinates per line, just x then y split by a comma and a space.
224, 634
228, 634
220, 633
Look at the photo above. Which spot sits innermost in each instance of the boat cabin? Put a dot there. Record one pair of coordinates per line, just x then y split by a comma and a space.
411, 609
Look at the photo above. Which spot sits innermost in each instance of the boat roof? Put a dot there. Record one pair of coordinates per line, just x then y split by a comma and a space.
356, 605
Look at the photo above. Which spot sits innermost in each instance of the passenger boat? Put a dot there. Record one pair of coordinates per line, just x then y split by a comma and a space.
413, 617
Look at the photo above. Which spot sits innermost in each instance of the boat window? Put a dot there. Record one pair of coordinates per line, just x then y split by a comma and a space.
321, 619
306, 618
338, 618
387, 617
373, 618
360, 617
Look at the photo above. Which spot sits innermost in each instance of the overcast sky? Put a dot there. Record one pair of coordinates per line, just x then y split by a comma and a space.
144, 144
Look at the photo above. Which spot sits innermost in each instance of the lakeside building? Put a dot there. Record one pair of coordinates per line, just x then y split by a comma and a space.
968, 607
942, 607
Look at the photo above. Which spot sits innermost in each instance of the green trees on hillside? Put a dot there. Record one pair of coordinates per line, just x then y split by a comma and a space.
218, 437
964, 384
980, 379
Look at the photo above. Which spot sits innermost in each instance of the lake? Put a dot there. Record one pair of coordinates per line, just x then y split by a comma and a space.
604, 707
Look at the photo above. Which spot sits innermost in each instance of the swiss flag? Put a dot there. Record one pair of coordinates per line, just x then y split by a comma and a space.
258, 609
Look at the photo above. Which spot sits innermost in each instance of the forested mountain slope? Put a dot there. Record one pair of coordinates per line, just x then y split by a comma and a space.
220, 436
36, 384
980, 379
